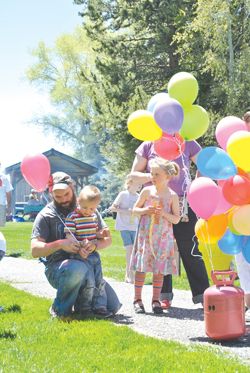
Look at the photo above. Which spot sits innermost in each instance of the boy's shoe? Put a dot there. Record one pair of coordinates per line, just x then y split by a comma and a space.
165, 304
247, 315
103, 313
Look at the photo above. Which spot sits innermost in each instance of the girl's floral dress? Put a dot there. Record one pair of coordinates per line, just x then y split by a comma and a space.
154, 247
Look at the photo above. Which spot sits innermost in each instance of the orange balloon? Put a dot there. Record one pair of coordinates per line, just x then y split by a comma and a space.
211, 230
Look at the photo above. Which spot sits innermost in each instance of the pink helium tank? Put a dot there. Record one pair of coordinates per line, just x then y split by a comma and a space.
224, 309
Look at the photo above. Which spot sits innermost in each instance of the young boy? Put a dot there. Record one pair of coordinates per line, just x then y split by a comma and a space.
84, 226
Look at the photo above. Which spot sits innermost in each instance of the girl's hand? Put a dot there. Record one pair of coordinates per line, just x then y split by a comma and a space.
158, 212
149, 210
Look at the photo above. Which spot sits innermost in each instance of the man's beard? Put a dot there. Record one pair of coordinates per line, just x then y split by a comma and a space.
65, 210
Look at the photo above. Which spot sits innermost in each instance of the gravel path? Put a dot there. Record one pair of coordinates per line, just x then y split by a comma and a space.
183, 322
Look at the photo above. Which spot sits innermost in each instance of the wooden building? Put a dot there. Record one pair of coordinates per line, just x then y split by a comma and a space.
78, 170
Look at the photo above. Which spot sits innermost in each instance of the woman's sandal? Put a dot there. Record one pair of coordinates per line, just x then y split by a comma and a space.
156, 307
138, 306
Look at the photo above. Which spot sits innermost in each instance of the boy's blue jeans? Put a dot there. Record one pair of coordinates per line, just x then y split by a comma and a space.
99, 296
75, 284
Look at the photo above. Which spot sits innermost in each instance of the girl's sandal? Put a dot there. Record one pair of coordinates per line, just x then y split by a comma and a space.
138, 306
156, 307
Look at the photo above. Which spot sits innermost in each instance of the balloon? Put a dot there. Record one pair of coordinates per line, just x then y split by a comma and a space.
183, 87
155, 99
246, 248
142, 126
36, 171
236, 190
241, 220
230, 221
195, 123
169, 147
214, 258
169, 115
215, 163
230, 243
211, 230
203, 196
226, 127
223, 205
238, 147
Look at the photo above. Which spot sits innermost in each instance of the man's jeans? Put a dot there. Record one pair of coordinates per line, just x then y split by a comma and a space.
75, 284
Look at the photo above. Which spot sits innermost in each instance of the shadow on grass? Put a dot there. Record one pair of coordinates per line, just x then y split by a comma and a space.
13, 308
7, 334
15, 255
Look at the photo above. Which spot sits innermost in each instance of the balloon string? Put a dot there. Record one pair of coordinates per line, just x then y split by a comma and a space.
65, 226
207, 245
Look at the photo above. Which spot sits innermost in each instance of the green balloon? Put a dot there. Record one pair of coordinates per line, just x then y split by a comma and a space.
184, 88
195, 123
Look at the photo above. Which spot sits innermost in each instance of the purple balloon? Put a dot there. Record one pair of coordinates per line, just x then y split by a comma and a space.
169, 115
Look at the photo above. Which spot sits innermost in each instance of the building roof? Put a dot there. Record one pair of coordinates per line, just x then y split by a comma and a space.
61, 162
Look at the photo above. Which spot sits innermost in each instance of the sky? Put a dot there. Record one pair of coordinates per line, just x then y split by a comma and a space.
23, 24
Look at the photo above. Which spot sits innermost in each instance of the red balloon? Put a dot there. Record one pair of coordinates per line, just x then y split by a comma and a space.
36, 171
169, 146
236, 190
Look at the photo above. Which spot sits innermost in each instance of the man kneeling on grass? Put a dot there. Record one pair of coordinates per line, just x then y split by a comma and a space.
74, 279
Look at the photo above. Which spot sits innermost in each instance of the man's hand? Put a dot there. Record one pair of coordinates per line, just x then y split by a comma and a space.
70, 245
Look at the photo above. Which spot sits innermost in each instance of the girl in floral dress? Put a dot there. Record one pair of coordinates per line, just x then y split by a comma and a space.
158, 208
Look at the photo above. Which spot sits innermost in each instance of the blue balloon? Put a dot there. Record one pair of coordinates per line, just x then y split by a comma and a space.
230, 243
155, 99
215, 163
246, 248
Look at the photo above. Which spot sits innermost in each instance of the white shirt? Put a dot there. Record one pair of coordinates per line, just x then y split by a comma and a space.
125, 221
5, 187
2, 243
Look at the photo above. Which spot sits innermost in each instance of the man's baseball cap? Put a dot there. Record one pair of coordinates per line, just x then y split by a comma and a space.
60, 181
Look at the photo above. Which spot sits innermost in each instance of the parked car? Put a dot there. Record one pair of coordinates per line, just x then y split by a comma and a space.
106, 213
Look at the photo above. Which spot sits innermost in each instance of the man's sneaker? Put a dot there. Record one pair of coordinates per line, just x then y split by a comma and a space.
102, 313
165, 304
54, 315
247, 315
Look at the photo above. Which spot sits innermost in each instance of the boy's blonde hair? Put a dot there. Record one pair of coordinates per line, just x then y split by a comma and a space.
170, 168
128, 181
246, 117
89, 193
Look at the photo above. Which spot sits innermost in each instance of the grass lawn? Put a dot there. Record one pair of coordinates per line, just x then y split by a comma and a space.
113, 258
31, 342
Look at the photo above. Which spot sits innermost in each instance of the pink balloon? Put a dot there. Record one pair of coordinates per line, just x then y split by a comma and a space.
36, 171
169, 146
223, 204
203, 196
226, 127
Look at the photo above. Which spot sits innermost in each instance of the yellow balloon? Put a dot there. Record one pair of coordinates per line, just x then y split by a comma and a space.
238, 147
183, 87
195, 123
214, 258
212, 229
241, 220
142, 126
230, 222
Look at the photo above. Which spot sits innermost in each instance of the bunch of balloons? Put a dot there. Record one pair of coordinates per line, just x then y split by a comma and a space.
221, 196
171, 118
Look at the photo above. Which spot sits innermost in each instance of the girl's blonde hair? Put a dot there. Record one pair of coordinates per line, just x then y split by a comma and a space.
89, 193
171, 168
